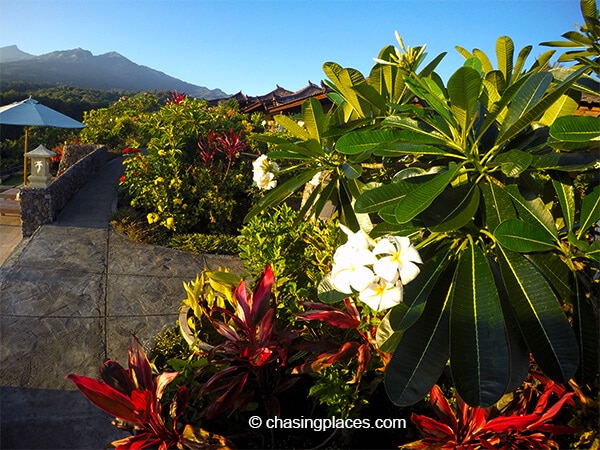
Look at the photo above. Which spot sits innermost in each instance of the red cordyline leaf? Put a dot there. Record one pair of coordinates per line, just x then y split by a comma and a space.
329, 314
262, 294
116, 377
106, 398
432, 428
442, 408
139, 366
341, 353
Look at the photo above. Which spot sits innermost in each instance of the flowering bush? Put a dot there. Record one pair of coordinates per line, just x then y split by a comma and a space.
191, 177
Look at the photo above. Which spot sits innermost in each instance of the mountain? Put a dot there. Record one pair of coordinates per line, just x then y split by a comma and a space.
78, 67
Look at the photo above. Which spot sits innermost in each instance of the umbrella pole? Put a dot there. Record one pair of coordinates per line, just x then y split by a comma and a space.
25, 157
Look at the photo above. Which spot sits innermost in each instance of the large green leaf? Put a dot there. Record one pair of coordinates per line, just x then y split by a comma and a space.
417, 292
566, 199
356, 142
532, 210
402, 149
292, 127
521, 58
452, 209
525, 111
568, 162
525, 98
313, 117
285, 147
566, 105
479, 352
593, 252
464, 87
524, 237
419, 198
586, 327
590, 211
505, 49
543, 323
422, 353
377, 198
572, 132
498, 206
556, 273
513, 162
281, 192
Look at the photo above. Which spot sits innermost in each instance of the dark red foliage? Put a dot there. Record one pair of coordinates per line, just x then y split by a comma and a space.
251, 344
516, 427
133, 396
330, 352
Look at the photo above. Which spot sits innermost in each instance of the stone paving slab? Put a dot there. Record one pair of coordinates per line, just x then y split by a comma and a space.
71, 296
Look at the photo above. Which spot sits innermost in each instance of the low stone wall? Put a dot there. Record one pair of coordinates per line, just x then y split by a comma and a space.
41, 206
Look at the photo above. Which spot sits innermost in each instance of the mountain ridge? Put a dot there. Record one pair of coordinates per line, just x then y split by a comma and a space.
80, 68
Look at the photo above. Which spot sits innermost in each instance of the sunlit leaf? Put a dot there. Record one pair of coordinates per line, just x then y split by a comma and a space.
546, 330
524, 237
479, 353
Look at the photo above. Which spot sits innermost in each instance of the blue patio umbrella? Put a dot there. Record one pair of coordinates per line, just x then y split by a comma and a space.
30, 112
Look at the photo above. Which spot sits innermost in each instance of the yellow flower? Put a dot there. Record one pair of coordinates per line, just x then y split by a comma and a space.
159, 180
153, 217
170, 222
177, 201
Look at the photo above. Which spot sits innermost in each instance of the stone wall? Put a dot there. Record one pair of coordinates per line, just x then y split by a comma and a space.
41, 206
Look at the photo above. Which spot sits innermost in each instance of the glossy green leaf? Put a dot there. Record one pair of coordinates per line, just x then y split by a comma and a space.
586, 328
556, 273
479, 353
281, 192
294, 150
546, 330
452, 209
593, 252
422, 353
532, 210
375, 199
498, 206
313, 117
590, 211
398, 150
417, 292
356, 142
525, 98
292, 127
521, 58
568, 162
418, 199
513, 162
505, 49
572, 132
486, 64
524, 237
386, 337
385, 228
420, 134
566, 105
463, 88
524, 110
351, 171
566, 198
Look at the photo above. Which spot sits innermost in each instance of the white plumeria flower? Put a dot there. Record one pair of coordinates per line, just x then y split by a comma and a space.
350, 272
381, 295
400, 258
358, 239
262, 172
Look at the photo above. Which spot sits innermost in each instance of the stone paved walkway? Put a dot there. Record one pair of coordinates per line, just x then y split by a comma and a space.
70, 297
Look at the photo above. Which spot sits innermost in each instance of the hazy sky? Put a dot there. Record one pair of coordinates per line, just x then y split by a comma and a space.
253, 45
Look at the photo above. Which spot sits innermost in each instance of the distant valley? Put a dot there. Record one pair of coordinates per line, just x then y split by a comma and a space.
80, 68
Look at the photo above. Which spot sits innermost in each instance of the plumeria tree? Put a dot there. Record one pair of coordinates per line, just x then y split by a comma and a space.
479, 175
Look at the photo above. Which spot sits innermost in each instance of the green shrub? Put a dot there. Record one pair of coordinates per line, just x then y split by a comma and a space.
218, 244
299, 252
